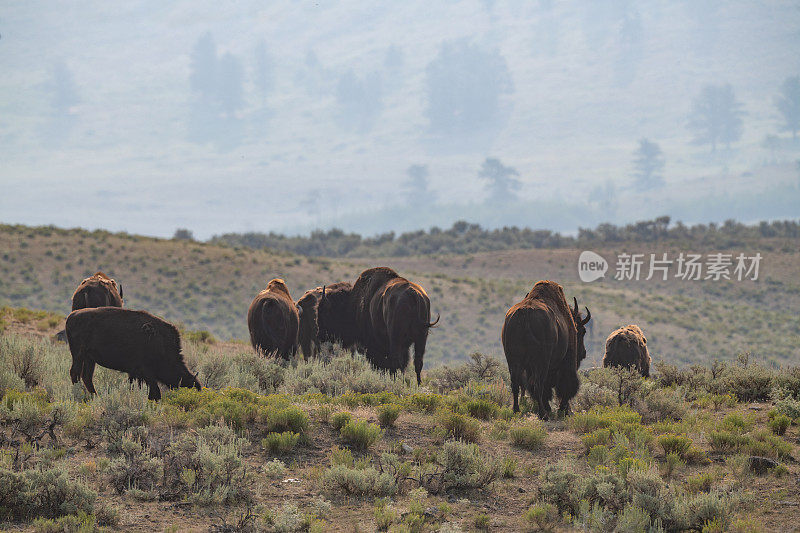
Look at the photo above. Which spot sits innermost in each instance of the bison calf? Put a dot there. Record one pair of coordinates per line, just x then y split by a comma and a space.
144, 346
273, 321
627, 348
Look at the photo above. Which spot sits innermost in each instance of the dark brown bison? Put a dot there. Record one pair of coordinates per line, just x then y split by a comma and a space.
391, 314
627, 347
97, 290
273, 320
543, 342
327, 317
145, 346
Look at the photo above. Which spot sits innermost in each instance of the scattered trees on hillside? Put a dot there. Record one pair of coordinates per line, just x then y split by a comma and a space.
217, 84
648, 162
63, 99
465, 238
716, 116
264, 71
359, 100
464, 86
788, 103
417, 186
501, 185
183, 234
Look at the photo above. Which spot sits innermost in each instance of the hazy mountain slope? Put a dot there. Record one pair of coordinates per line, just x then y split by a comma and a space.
340, 118
208, 287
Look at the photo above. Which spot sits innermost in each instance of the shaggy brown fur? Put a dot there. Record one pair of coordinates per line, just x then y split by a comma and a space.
544, 346
273, 321
145, 346
97, 290
327, 317
392, 314
627, 348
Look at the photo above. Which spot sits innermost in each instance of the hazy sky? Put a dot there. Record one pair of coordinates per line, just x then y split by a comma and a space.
148, 116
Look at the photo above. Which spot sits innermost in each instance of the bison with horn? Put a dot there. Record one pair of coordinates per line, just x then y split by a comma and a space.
273, 321
543, 343
326, 317
391, 314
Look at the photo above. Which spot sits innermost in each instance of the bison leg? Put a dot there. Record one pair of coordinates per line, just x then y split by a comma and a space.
155, 391
76, 370
86, 374
566, 388
515, 390
419, 353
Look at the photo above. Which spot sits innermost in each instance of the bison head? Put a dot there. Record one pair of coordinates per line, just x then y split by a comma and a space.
580, 326
190, 380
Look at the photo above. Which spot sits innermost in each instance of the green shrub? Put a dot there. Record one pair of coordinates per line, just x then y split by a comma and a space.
529, 435
736, 422
679, 444
560, 486
596, 438
339, 420
384, 515
207, 468
788, 406
693, 511
280, 443
427, 402
459, 426
82, 523
463, 466
274, 469
357, 481
361, 434
699, 483
779, 424
482, 409
634, 519
42, 493
135, 469
661, 404
541, 517
289, 418
728, 441
482, 521
387, 414
509, 467
751, 383
599, 455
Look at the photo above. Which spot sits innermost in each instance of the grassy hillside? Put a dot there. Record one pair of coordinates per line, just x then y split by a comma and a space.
210, 287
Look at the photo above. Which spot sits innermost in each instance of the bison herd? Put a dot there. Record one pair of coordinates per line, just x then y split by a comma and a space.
381, 315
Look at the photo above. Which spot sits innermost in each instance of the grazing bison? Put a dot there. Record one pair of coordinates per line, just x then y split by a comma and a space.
97, 290
273, 321
145, 346
543, 342
627, 347
327, 317
391, 314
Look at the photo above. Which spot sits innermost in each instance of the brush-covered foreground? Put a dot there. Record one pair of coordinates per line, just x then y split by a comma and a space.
332, 445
